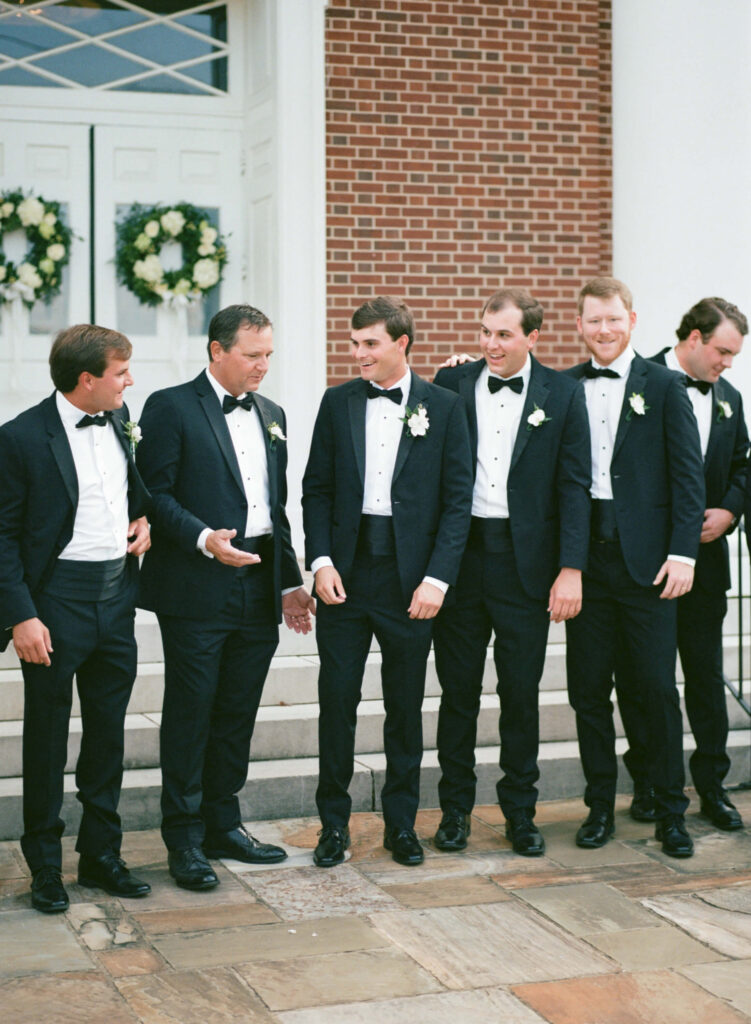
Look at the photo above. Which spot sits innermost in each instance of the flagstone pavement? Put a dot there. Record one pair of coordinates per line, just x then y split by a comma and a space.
622, 935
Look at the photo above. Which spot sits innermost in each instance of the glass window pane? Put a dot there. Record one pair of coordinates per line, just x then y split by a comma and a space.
164, 45
19, 76
211, 72
160, 83
49, 319
211, 23
90, 65
93, 19
23, 36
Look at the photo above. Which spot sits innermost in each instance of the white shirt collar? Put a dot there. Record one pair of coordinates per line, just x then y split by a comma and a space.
220, 391
621, 365
673, 363
404, 384
524, 372
70, 414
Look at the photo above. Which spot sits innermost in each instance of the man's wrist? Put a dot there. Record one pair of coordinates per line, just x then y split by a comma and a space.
201, 542
682, 558
320, 563
443, 587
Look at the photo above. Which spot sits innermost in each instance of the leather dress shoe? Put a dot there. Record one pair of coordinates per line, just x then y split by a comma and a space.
190, 869
332, 843
239, 844
643, 805
47, 891
108, 872
524, 835
404, 846
671, 831
717, 807
597, 829
452, 833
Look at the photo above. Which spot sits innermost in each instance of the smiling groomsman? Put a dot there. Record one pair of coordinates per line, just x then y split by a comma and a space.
710, 335
647, 514
522, 567
386, 507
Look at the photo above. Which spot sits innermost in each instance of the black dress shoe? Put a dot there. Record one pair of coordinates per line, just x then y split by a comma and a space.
524, 835
404, 846
720, 811
332, 843
191, 870
109, 872
676, 842
597, 829
453, 831
643, 805
47, 891
241, 845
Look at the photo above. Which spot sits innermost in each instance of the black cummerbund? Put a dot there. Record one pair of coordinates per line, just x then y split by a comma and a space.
492, 535
376, 535
87, 581
604, 528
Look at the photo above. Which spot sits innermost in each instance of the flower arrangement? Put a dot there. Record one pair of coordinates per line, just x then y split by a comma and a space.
638, 405
134, 434
536, 418
724, 411
416, 420
140, 237
275, 434
38, 276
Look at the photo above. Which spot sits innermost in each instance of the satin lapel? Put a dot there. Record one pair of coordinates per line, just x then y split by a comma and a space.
406, 440
467, 386
119, 428
718, 395
537, 395
634, 385
356, 404
218, 424
61, 452
264, 411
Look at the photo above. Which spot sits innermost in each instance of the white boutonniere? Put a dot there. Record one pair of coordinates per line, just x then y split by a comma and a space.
134, 434
537, 418
275, 434
638, 405
724, 412
416, 420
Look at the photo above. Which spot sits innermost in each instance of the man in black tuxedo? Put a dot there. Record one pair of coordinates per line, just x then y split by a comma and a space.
386, 506
647, 513
709, 336
71, 527
220, 574
522, 567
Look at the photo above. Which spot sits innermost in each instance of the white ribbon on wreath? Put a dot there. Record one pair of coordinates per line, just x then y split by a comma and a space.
172, 325
16, 325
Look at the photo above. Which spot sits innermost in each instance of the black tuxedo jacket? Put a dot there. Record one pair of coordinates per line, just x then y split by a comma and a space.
725, 466
188, 462
656, 472
431, 488
38, 502
550, 473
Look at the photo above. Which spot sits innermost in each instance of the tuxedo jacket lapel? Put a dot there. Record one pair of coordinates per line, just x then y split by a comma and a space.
718, 395
356, 408
61, 451
212, 408
537, 395
467, 386
417, 391
634, 385
264, 412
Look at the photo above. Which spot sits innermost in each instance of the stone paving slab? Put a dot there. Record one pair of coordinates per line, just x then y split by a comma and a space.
215, 996
462, 891
31, 943
197, 919
585, 908
495, 944
121, 963
336, 978
728, 980
102, 925
63, 999
657, 997
480, 1006
311, 892
560, 846
713, 852
643, 949
724, 930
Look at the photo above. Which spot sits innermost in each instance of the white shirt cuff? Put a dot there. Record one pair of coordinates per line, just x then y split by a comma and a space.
289, 590
201, 542
443, 587
320, 563
682, 558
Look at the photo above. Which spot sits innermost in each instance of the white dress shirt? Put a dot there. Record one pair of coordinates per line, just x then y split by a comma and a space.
702, 404
498, 419
100, 527
604, 397
247, 434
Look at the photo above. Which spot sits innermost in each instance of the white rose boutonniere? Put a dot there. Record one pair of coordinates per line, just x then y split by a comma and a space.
638, 405
134, 434
724, 412
275, 434
537, 418
416, 420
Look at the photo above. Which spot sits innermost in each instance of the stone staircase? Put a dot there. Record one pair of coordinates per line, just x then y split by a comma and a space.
283, 768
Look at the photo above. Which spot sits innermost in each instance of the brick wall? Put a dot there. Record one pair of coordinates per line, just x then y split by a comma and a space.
468, 146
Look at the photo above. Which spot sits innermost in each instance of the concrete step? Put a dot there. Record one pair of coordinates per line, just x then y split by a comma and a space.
286, 788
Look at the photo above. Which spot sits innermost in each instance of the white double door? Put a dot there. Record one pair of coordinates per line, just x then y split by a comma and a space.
97, 172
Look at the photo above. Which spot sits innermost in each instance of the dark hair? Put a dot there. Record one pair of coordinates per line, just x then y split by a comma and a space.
227, 322
707, 315
84, 348
605, 288
530, 309
396, 317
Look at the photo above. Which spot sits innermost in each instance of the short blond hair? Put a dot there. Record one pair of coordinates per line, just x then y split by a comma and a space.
605, 288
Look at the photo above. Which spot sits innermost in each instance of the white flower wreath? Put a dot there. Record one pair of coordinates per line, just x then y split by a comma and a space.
39, 275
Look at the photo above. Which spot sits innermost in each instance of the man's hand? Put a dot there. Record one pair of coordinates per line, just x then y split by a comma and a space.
32, 641
139, 537
565, 599
455, 360
297, 607
716, 522
218, 544
679, 579
329, 585
426, 601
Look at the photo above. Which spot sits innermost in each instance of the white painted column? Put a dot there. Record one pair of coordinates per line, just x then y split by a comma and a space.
682, 161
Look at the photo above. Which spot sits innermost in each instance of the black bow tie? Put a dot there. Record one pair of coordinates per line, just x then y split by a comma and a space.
595, 371
496, 383
100, 420
394, 394
229, 402
703, 385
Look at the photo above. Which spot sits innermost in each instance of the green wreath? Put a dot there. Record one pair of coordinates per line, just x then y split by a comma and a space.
39, 275
140, 237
